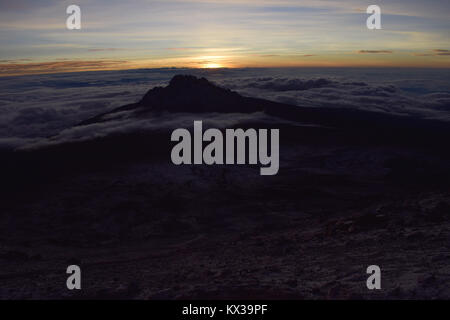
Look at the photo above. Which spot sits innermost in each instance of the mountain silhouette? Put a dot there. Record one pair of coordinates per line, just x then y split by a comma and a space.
186, 93
189, 94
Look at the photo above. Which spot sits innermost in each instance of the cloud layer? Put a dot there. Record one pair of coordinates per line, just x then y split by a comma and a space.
43, 109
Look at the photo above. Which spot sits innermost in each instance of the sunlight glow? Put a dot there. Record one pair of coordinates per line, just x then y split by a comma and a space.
212, 66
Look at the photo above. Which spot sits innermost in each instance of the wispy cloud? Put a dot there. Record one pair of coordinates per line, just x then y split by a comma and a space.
433, 53
178, 49
10, 69
105, 49
15, 60
375, 51
442, 52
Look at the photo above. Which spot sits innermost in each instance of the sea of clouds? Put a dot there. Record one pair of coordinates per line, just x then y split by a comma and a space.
39, 109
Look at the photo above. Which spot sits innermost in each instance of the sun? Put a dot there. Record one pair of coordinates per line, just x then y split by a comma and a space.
212, 66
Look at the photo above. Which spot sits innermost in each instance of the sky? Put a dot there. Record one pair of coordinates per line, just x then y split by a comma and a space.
211, 33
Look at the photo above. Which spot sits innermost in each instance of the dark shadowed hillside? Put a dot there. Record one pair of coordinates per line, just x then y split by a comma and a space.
355, 188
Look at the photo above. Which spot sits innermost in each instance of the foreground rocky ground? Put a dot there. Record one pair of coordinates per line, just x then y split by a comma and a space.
148, 230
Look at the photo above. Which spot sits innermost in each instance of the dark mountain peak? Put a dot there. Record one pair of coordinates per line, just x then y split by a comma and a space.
187, 93
189, 81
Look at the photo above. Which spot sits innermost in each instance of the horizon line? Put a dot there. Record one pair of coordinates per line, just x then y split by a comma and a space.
31, 73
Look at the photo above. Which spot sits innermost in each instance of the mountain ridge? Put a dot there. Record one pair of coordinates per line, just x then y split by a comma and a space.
189, 94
